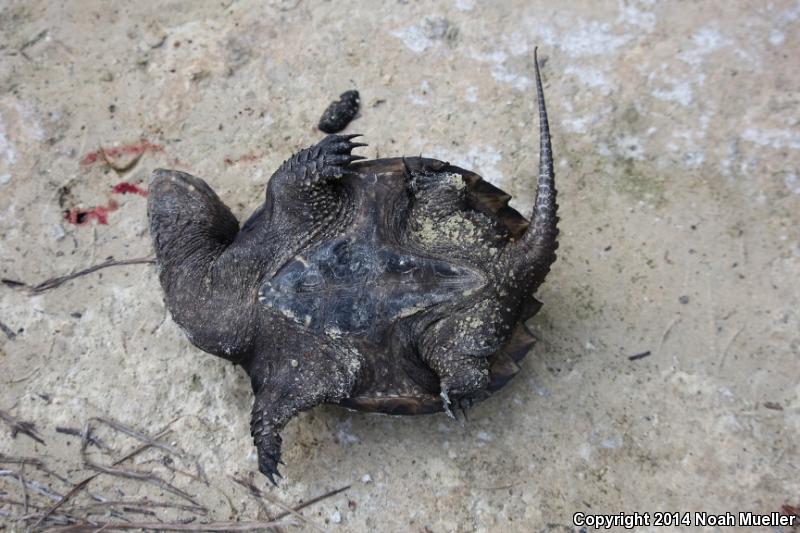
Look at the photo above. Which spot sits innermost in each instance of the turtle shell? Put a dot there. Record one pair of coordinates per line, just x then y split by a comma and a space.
357, 285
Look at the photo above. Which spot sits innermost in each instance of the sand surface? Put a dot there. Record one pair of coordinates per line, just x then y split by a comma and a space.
676, 130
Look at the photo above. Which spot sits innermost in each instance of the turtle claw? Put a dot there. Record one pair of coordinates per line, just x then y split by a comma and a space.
335, 154
447, 404
271, 478
268, 465
269, 457
405, 166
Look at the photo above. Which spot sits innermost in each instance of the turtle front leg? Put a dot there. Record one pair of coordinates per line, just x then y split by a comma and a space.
304, 196
305, 179
298, 373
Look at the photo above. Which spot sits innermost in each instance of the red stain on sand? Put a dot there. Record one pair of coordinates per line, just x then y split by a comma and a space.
111, 157
128, 188
81, 217
247, 158
103, 154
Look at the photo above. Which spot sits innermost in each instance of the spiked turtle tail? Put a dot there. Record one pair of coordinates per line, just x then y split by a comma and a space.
536, 250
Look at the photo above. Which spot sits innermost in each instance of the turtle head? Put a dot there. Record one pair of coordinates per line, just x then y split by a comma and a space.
189, 224
204, 285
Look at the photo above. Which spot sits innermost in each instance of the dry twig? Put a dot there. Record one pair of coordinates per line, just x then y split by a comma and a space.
248, 484
135, 434
35, 486
52, 283
727, 348
75, 432
7, 459
312, 501
143, 476
145, 504
81, 484
33, 461
164, 526
256, 494
20, 426
638, 356
211, 526
23, 378
8, 331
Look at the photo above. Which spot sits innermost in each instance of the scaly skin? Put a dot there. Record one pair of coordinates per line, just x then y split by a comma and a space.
450, 280
209, 270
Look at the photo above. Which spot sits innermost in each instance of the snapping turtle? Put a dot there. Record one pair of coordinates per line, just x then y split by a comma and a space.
397, 285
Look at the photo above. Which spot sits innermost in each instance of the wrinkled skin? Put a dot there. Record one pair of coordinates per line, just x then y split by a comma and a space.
393, 285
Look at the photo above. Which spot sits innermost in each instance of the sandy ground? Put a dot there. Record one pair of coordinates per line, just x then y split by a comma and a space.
677, 135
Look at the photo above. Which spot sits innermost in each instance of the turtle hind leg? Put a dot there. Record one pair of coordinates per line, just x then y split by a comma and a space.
287, 382
458, 352
460, 345
436, 193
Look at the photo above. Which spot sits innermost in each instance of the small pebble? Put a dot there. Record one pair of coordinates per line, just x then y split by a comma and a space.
294, 363
366, 478
484, 436
336, 517
684, 300
57, 232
